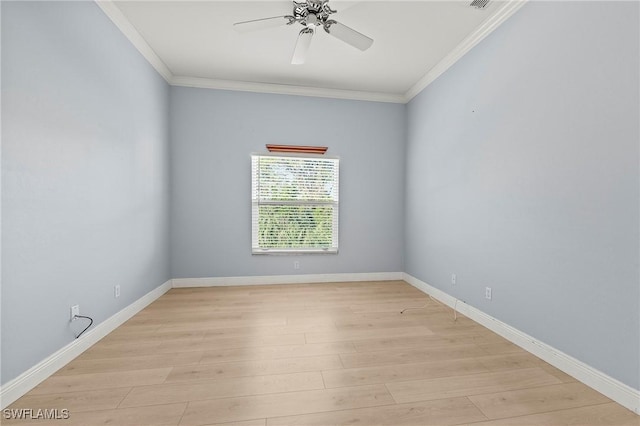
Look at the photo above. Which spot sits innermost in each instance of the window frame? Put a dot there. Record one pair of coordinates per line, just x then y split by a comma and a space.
256, 203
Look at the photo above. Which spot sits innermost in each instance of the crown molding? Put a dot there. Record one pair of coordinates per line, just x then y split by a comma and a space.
124, 25
486, 28
129, 31
285, 89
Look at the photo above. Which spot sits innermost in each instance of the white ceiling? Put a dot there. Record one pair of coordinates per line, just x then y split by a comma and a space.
196, 41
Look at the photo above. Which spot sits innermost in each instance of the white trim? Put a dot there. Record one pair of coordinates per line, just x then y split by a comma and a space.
486, 28
619, 392
22, 384
285, 279
129, 31
111, 10
285, 89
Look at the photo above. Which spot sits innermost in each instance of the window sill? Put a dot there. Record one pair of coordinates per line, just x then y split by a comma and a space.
294, 251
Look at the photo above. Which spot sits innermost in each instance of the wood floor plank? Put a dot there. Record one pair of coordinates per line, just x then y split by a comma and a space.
242, 386
537, 400
253, 368
388, 306
610, 414
390, 343
327, 312
214, 323
231, 342
353, 318
257, 422
380, 344
354, 301
274, 352
256, 308
284, 404
150, 341
442, 412
509, 361
381, 324
309, 317
411, 355
342, 336
272, 330
106, 365
402, 372
365, 321
119, 338
474, 384
95, 381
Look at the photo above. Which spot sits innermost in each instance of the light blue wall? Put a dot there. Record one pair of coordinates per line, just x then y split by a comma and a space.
85, 180
522, 175
213, 133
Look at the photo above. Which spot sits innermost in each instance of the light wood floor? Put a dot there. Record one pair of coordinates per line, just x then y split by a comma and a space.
317, 354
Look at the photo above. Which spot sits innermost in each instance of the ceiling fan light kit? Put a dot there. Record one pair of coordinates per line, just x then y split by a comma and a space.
311, 14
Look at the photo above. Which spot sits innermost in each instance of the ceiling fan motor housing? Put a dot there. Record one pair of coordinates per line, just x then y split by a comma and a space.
313, 13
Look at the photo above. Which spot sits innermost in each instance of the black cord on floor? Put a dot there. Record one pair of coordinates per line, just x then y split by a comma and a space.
455, 305
87, 327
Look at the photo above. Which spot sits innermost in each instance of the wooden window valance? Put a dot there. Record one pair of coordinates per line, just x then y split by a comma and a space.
298, 149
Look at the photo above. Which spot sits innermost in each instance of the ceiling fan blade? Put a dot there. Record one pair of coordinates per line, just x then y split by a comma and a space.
349, 35
302, 46
261, 24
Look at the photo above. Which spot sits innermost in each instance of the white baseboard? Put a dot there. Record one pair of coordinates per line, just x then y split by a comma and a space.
22, 384
286, 279
619, 392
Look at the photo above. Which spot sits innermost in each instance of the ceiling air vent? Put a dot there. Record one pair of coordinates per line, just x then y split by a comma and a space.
479, 4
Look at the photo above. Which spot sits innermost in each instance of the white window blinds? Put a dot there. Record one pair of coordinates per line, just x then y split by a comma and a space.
294, 204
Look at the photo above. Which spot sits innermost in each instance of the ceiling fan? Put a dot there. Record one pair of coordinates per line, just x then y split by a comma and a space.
311, 14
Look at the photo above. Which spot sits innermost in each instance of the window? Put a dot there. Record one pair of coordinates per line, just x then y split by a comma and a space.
294, 204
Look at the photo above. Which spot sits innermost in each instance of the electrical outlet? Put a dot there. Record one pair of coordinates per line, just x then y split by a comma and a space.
453, 279
75, 310
116, 291
296, 264
487, 293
